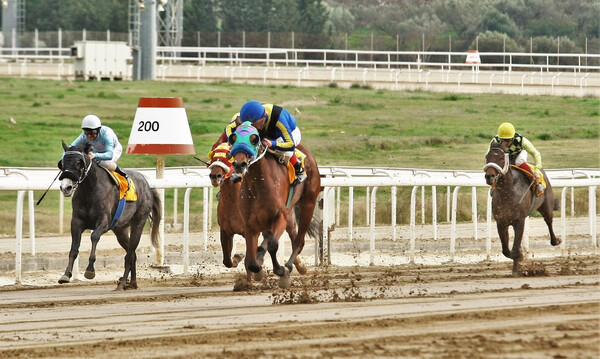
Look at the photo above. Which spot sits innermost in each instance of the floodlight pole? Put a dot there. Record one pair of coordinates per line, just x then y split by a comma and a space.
148, 40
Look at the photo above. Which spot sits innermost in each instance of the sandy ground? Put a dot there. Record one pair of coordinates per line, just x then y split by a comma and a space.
552, 310
431, 308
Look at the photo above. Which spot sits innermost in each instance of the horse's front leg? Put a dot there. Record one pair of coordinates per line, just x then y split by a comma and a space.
90, 273
227, 247
252, 265
503, 234
516, 255
76, 230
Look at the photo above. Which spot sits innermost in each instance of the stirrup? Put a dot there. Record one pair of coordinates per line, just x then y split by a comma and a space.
301, 176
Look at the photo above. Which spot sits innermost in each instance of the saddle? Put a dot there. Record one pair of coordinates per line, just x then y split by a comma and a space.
126, 187
532, 178
284, 159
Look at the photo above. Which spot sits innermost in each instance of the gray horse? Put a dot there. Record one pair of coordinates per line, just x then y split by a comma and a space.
513, 201
95, 204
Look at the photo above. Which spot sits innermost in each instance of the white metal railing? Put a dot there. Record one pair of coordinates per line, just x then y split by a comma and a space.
28, 179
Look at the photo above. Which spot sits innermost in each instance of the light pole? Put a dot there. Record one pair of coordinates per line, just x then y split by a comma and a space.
147, 49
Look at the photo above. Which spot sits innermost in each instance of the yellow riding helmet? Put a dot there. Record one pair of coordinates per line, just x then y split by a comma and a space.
506, 131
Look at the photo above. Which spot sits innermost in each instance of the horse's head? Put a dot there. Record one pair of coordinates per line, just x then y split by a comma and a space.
74, 165
245, 143
220, 165
496, 164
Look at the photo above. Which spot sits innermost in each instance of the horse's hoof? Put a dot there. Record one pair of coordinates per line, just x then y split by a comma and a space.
285, 280
237, 258
132, 285
555, 241
506, 254
89, 274
301, 268
64, 279
260, 275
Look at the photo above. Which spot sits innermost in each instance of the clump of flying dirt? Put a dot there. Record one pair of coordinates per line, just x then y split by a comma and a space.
321, 287
571, 266
241, 283
534, 269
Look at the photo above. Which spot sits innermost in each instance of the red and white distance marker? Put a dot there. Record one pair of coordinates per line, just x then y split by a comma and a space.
160, 127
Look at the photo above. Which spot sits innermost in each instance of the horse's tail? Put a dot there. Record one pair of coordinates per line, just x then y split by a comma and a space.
556, 204
314, 229
155, 218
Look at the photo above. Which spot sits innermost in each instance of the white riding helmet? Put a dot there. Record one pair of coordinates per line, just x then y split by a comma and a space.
91, 122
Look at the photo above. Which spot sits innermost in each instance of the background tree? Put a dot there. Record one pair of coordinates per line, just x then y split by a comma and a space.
199, 15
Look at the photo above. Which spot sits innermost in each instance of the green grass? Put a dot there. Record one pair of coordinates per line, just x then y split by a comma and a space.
359, 126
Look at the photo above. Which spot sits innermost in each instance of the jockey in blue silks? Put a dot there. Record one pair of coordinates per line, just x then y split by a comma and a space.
278, 130
106, 145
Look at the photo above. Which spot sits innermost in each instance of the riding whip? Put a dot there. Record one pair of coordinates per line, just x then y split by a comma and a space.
522, 198
44, 195
201, 161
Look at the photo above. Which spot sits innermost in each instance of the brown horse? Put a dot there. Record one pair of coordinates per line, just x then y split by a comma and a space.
267, 200
229, 217
513, 201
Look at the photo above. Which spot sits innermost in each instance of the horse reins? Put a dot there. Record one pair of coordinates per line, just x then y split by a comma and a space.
259, 156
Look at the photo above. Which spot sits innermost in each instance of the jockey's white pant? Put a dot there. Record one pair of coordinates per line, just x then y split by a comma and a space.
111, 164
285, 155
522, 157
296, 137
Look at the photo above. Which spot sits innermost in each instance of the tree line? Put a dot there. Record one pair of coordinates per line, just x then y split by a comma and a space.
566, 26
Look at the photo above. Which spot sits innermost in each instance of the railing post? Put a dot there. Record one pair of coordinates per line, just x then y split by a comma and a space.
372, 227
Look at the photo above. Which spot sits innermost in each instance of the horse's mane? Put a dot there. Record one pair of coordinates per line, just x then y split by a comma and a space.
85, 147
496, 145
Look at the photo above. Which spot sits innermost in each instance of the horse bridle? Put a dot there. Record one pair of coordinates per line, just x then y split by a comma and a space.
83, 172
501, 170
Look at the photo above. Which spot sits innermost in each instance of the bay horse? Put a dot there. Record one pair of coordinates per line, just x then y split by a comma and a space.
268, 201
95, 203
229, 218
513, 201
228, 214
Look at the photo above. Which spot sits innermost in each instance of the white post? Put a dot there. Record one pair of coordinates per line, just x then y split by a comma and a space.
186, 234
372, 227
453, 223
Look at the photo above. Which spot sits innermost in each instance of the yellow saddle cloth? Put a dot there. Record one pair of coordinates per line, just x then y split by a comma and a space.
532, 178
126, 188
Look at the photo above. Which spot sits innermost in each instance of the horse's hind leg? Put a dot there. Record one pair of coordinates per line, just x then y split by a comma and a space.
123, 239
304, 220
546, 210
131, 256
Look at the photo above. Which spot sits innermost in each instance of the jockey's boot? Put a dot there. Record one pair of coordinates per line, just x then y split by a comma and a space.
539, 188
120, 171
300, 173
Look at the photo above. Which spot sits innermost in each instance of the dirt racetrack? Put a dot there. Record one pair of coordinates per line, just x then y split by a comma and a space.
410, 311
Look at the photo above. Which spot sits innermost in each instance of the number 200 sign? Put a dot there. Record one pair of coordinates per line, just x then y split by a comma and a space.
160, 127
148, 126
